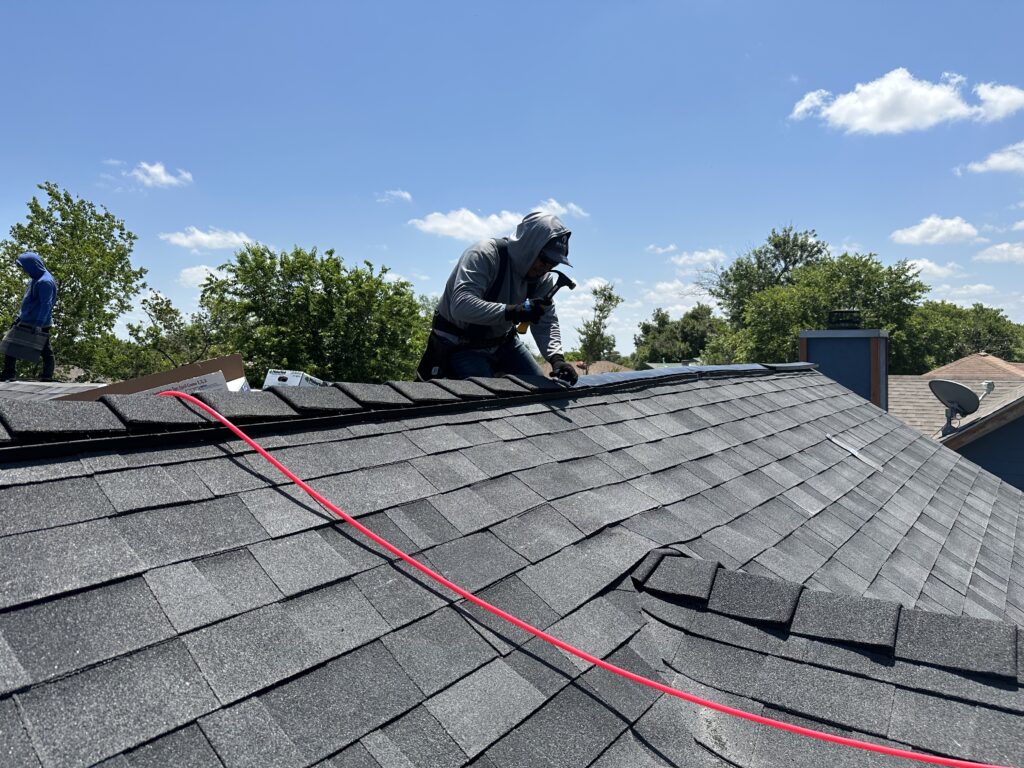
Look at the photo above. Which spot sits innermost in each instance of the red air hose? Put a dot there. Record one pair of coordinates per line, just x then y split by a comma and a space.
810, 732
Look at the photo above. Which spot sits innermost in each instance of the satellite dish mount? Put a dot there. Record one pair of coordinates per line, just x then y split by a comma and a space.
958, 399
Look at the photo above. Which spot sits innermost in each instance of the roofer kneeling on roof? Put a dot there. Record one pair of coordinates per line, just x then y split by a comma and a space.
497, 285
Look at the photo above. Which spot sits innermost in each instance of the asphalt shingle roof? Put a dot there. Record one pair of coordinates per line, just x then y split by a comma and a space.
763, 538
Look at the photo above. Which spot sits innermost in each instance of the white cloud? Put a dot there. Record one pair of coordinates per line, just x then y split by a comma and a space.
463, 224
394, 194
998, 101
1004, 252
934, 230
661, 250
928, 268
674, 296
1009, 159
156, 175
112, 162
1018, 226
898, 102
193, 277
698, 258
213, 240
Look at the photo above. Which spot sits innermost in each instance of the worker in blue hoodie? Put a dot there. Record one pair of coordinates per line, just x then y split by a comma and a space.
36, 311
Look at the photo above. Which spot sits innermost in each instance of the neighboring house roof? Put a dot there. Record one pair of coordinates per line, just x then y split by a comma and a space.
599, 366
165, 599
911, 400
40, 390
978, 366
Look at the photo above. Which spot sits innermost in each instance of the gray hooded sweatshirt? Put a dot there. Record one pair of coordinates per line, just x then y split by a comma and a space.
462, 302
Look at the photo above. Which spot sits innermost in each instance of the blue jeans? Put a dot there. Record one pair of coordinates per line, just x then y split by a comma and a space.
512, 357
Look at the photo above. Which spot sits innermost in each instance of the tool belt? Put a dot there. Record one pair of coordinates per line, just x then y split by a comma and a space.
471, 337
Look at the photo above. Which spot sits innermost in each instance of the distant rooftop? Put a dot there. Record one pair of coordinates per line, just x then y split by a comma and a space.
40, 390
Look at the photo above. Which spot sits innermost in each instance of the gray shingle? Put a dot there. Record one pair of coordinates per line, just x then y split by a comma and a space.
485, 705
375, 489
67, 419
849, 619
399, 595
628, 699
754, 597
512, 596
537, 533
285, 510
629, 752
465, 389
355, 756
438, 649
570, 731
15, 747
592, 510
367, 685
246, 735
598, 627
140, 488
187, 748
239, 579
499, 386
961, 642
185, 595
437, 439
300, 562
231, 475
100, 712
467, 510
501, 458
46, 505
59, 636
162, 536
252, 651
12, 674
423, 524
337, 618
422, 392
247, 405
34, 565
415, 739
448, 471
943, 726
147, 410
374, 395
475, 561
683, 577
317, 399
370, 451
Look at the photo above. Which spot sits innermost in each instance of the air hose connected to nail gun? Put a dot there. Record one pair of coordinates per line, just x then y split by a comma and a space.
562, 645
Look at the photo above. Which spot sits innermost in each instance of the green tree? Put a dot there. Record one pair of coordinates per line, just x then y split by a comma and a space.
88, 251
595, 341
302, 310
664, 340
168, 339
886, 297
940, 332
772, 264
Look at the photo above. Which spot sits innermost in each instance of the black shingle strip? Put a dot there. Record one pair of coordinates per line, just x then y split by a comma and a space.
484, 705
374, 395
464, 388
60, 636
959, 642
149, 410
66, 419
499, 386
423, 392
162, 536
247, 405
848, 619
43, 563
317, 399
45, 505
82, 719
683, 577
368, 685
754, 597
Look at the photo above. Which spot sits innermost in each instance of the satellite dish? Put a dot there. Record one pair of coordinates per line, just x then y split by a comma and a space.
958, 399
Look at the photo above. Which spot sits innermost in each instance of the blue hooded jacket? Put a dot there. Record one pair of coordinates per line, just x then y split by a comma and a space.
37, 306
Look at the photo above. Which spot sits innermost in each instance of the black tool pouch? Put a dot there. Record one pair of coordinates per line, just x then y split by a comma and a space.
434, 364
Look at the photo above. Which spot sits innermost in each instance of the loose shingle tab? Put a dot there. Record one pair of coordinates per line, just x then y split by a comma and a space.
317, 399
960, 642
67, 419
465, 389
754, 597
857, 620
683, 577
499, 386
423, 392
148, 410
247, 405
539, 383
374, 395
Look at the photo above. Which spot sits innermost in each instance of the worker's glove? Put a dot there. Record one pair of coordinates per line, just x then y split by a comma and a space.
563, 370
530, 311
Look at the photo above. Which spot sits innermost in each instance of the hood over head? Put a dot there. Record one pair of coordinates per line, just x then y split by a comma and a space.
32, 264
533, 233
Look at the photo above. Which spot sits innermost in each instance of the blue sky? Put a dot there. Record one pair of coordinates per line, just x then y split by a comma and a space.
668, 134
